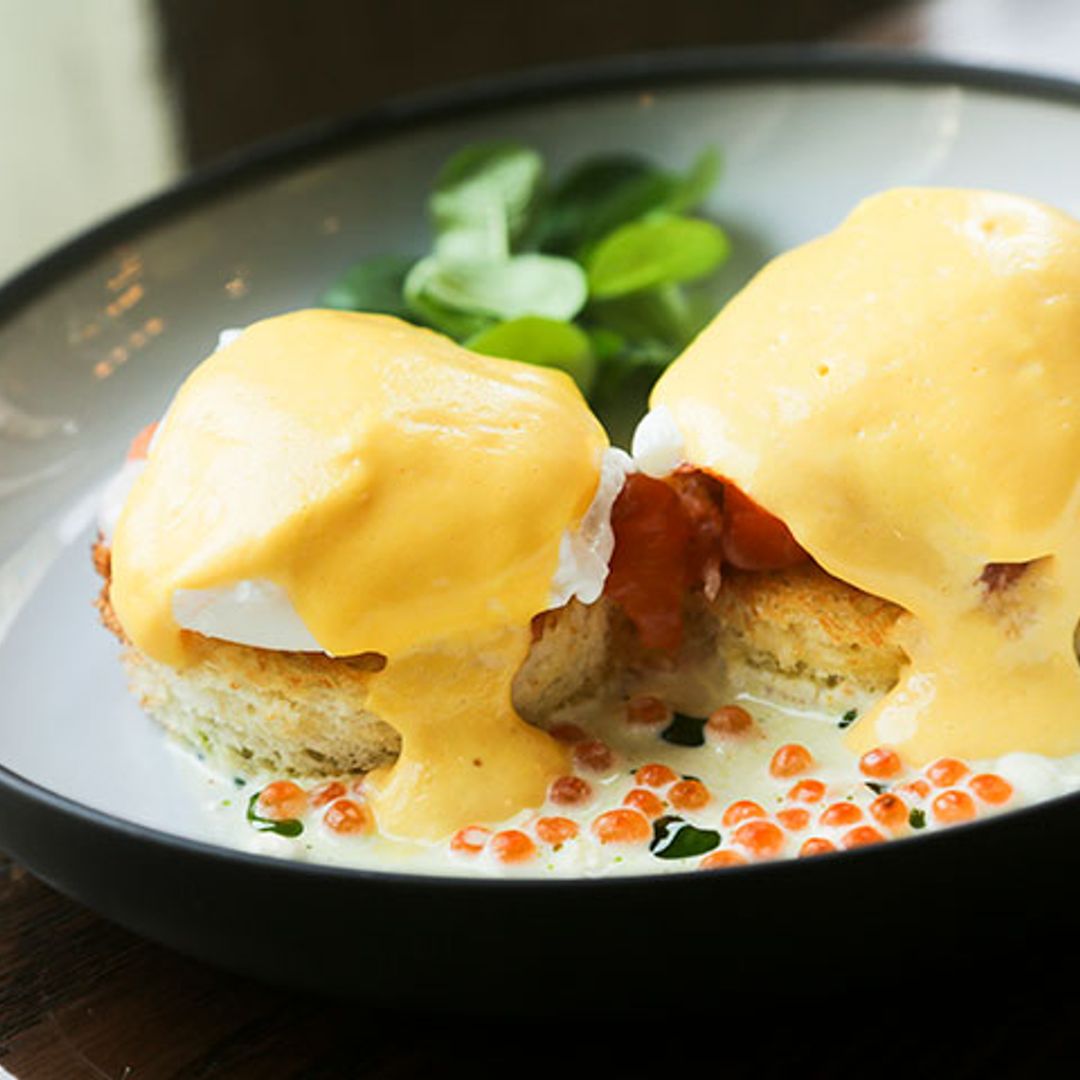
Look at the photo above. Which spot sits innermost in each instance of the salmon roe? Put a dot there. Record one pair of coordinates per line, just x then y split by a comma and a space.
889, 810
945, 772
840, 813
327, 793
807, 791
953, 806
567, 733
794, 818
689, 795
726, 857
594, 755
790, 760
861, 836
761, 838
740, 811
645, 801
348, 818
648, 711
622, 826
570, 791
917, 788
471, 840
817, 845
881, 762
282, 800
991, 788
556, 830
512, 846
729, 720
655, 775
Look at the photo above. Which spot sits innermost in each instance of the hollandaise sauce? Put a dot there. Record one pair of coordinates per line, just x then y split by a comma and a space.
409, 499
904, 394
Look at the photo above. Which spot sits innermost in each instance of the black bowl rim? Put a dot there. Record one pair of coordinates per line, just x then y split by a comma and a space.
822, 63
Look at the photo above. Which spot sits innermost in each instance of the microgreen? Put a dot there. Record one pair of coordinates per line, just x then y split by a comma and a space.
674, 838
375, 284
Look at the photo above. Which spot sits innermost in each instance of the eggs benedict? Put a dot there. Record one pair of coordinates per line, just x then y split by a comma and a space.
889, 417
355, 544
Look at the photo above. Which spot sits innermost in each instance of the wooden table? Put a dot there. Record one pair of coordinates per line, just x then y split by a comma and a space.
81, 998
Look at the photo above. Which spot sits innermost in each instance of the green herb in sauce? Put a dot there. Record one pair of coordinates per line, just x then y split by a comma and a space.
290, 827
917, 818
674, 838
685, 731
848, 719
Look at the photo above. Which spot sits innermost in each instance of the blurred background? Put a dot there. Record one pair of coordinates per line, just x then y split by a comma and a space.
103, 102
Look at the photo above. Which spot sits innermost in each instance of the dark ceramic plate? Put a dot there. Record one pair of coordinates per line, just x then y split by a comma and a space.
94, 340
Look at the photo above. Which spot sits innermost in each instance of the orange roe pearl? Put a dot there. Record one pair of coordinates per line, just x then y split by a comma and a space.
689, 795
282, 800
761, 838
512, 846
840, 813
139, 449
654, 775
953, 806
647, 711
327, 793
881, 762
991, 788
889, 810
946, 771
570, 791
729, 720
717, 859
861, 836
918, 788
621, 826
594, 755
567, 733
794, 818
348, 818
817, 845
651, 805
807, 791
470, 840
790, 760
556, 830
740, 811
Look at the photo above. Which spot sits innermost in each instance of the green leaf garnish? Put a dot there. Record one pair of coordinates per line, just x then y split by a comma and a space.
673, 838
685, 731
524, 285
545, 342
485, 184
656, 251
917, 818
375, 284
428, 309
695, 186
876, 788
290, 827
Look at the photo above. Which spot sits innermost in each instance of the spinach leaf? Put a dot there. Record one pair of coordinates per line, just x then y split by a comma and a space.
375, 284
545, 342
487, 183
524, 285
659, 250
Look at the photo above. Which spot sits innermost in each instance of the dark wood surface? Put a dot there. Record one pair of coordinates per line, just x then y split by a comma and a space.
80, 997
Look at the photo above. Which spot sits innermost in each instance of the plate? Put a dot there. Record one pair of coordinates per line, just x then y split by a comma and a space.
95, 339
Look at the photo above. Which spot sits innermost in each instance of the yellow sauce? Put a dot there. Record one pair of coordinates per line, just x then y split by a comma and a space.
905, 394
410, 498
